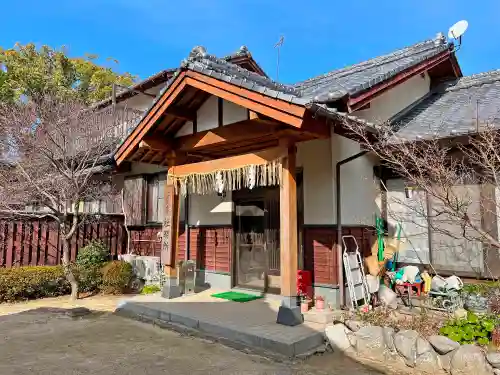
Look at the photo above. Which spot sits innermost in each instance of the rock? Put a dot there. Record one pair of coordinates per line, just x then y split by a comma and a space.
443, 344
370, 342
428, 362
494, 359
445, 360
337, 336
469, 359
353, 325
389, 338
460, 313
423, 346
405, 342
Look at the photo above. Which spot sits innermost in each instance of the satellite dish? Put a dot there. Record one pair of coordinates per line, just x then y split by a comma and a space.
457, 30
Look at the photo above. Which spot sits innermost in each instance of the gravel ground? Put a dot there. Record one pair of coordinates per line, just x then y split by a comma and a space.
47, 341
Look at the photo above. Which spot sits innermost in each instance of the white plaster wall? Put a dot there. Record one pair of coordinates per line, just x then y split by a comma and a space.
210, 209
398, 98
404, 210
208, 115
359, 187
315, 159
233, 113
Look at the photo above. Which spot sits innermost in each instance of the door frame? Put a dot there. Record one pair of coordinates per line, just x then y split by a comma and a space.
263, 193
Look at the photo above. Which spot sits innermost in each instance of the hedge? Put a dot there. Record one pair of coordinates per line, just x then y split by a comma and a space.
24, 283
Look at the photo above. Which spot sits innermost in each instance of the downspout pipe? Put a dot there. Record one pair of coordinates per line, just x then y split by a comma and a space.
340, 262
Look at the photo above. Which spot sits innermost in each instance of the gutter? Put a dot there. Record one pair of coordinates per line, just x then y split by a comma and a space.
340, 263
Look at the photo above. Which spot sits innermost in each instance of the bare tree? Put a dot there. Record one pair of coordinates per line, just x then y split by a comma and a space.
458, 175
54, 155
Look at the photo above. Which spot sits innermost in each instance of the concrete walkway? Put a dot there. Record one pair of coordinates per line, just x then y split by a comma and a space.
252, 324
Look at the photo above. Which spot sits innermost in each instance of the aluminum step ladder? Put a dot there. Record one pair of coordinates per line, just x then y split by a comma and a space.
355, 274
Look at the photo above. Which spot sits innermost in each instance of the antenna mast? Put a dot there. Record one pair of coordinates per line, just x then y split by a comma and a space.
278, 47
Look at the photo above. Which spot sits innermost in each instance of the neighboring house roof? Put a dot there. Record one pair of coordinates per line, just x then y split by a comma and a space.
453, 108
356, 78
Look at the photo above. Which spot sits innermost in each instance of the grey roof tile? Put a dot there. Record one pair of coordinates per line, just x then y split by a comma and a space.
454, 108
356, 78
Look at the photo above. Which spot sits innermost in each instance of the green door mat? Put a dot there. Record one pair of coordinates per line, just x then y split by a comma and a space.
236, 296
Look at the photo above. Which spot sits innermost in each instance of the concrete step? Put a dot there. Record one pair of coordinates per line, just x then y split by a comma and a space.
276, 339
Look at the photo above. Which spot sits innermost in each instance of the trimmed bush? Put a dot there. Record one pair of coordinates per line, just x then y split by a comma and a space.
89, 261
24, 283
116, 277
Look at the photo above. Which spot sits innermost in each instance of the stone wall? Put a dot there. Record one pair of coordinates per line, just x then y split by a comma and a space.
426, 355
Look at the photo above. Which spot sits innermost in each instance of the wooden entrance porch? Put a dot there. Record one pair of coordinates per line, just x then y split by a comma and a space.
224, 154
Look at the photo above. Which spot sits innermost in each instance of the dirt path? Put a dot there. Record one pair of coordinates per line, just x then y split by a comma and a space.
39, 340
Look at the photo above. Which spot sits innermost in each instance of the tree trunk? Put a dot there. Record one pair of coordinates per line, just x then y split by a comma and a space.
66, 261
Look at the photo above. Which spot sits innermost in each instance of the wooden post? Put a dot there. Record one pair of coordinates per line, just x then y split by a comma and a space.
170, 236
289, 313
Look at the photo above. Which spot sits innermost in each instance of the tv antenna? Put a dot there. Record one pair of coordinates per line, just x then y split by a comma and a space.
457, 30
278, 47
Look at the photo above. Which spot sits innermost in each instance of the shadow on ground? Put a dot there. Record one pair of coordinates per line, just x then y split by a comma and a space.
254, 331
79, 341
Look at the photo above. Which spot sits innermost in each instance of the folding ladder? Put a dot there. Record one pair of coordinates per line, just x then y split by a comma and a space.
355, 274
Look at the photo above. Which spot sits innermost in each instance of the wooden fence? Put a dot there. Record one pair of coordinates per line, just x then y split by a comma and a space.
38, 242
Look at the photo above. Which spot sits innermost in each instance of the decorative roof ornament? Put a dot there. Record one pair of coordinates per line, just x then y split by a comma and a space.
440, 39
243, 50
198, 52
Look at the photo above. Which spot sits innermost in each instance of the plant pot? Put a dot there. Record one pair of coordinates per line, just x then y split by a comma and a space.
320, 304
304, 306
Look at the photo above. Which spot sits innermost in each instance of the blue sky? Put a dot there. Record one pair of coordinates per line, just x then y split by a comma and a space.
146, 36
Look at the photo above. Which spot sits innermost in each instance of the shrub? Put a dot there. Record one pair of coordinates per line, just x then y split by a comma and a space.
470, 330
116, 277
24, 283
89, 262
150, 289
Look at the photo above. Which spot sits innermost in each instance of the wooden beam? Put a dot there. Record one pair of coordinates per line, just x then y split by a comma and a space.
181, 114
236, 132
170, 231
287, 107
265, 106
157, 143
261, 157
288, 225
220, 112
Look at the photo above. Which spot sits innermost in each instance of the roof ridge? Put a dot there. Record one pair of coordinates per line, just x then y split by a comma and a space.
384, 59
198, 54
475, 80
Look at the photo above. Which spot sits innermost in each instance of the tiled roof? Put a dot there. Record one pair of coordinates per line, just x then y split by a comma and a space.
456, 107
359, 77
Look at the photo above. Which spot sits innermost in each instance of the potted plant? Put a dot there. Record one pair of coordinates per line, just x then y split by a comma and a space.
320, 303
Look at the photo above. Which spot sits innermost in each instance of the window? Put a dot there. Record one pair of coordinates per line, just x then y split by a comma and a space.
155, 198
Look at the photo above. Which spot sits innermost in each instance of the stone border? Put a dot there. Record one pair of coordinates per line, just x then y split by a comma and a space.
383, 344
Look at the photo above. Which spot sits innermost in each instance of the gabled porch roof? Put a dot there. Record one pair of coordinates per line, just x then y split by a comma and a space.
275, 111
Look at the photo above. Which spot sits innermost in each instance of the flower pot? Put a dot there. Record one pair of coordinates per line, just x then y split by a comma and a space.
304, 306
320, 304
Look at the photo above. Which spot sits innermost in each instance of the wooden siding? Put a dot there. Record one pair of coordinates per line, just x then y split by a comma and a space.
211, 247
320, 255
37, 242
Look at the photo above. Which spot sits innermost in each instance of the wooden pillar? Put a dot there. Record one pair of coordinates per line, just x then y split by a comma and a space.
170, 243
288, 227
